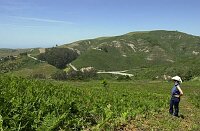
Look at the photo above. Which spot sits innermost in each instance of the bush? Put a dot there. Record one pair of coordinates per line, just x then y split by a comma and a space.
105, 84
59, 75
38, 76
75, 75
123, 77
81, 75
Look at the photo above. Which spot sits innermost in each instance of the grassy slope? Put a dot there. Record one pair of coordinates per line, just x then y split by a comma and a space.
163, 47
108, 61
41, 68
28, 67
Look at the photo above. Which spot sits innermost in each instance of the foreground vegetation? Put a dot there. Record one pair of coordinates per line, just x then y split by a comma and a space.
49, 105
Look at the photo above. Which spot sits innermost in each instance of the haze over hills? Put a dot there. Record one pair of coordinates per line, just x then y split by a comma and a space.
141, 53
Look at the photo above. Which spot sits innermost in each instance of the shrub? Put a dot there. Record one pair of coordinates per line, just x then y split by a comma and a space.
123, 77
75, 75
38, 76
105, 84
82, 75
59, 75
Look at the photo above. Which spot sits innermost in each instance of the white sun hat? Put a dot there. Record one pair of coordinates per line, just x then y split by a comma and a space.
177, 78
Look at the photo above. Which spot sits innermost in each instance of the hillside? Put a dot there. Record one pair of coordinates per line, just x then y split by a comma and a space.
148, 54
133, 50
154, 51
25, 66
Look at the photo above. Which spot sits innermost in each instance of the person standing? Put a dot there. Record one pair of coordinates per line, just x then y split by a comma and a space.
176, 93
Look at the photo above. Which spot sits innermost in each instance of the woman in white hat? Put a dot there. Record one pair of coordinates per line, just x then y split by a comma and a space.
176, 93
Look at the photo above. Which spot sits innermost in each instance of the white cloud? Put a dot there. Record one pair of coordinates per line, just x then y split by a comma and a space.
42, 20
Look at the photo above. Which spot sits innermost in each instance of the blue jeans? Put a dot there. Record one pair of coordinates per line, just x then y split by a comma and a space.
174, 106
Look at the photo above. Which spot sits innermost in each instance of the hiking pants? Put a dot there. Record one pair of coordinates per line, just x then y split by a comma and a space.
174, 106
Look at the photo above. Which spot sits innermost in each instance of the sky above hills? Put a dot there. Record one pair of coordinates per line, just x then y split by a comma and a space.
45, 23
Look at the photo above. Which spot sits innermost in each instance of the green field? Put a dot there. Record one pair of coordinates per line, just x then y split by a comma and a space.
27, 104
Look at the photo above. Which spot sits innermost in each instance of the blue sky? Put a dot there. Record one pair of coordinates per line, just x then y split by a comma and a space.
45, 23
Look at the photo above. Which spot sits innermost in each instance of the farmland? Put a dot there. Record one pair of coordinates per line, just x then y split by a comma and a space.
27, 104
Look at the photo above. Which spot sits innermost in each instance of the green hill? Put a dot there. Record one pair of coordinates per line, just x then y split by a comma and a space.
139, 49
146, 54
27, 67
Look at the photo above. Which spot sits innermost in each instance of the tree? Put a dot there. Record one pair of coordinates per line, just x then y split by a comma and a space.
58, 57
